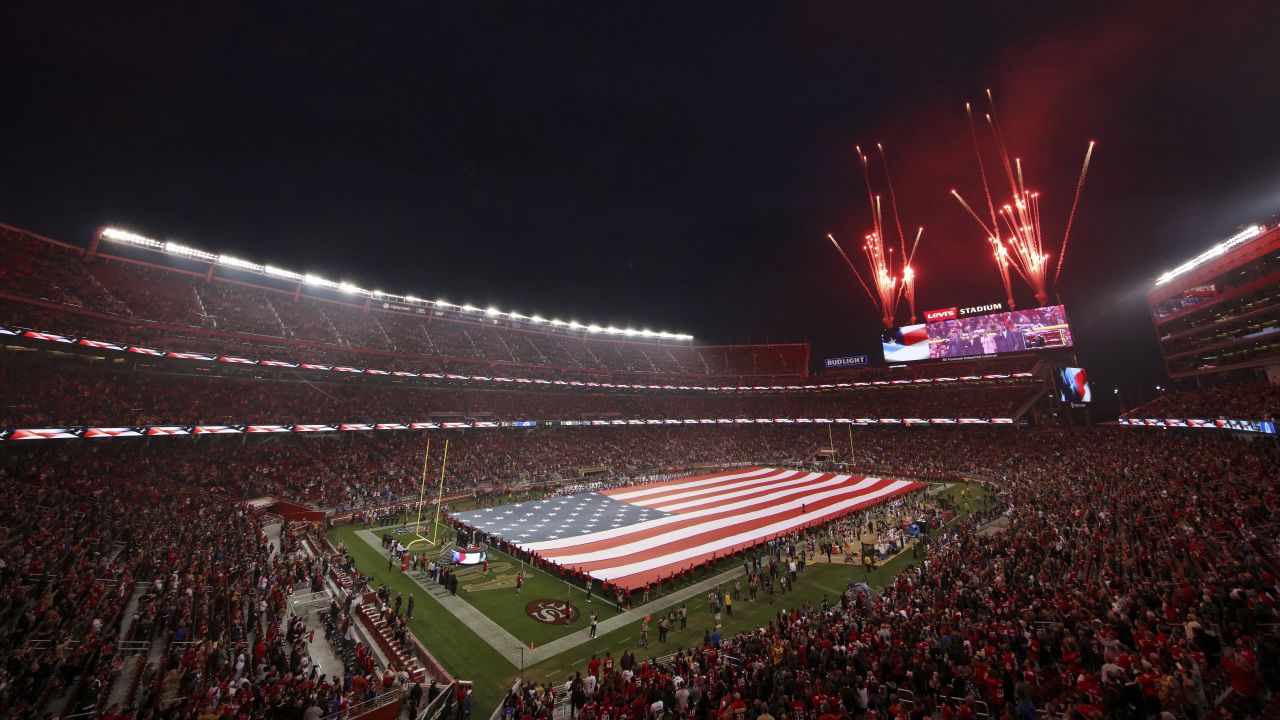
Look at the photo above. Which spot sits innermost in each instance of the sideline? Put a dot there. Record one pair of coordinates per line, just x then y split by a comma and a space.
507, 645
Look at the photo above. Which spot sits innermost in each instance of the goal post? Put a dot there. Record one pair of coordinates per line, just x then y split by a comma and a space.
419, 532
444, 463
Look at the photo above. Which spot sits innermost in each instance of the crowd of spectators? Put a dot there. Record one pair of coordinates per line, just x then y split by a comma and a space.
1136, 577
34, 268
143, 295
357, 470
79, 532
417, 353
103, 554
1127, 555
1239, 401
39, 393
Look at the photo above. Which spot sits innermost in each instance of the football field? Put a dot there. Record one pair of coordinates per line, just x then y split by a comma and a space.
634, 536
546, 624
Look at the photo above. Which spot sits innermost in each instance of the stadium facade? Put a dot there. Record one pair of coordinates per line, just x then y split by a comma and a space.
1218, 313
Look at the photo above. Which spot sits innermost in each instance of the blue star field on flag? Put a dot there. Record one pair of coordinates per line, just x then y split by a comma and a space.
556, 518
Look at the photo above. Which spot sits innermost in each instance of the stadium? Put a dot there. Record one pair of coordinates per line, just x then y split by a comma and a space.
237, 485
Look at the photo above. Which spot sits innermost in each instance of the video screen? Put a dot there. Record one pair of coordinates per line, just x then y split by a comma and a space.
1189, 298
1073, 385
998, 333
906, 343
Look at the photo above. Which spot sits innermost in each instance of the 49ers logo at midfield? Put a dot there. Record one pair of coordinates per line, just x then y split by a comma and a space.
552, 612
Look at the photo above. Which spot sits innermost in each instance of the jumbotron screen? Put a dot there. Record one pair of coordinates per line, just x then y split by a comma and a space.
1073, 385
999, 333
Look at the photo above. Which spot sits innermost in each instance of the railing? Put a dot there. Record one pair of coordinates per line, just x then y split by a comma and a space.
441, 705
310, 601
518, 684
562, 699
980, 707
133, 647
367, 706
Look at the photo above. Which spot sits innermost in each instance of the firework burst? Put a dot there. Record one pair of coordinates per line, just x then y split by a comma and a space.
1013, 228
893, 279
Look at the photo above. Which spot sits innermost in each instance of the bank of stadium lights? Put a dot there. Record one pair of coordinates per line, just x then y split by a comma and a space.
132, 238
347, 288
175, 249
283, 274
1218, 250
237, 263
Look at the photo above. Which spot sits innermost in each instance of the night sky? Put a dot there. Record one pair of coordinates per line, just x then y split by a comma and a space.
671, 166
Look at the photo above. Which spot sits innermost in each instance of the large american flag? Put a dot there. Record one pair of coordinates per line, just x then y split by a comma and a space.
632, 536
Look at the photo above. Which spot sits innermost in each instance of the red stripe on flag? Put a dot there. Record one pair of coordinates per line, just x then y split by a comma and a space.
662, 484
709, 522
738, 494
644, 577
678, 494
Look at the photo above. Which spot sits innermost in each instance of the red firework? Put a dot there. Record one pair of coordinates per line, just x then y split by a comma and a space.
1013, 228
892, 281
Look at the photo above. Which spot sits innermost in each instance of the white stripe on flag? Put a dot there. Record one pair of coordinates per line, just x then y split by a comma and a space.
794, 476
666, 488
716, 499
749, 537
675, 536
611, 533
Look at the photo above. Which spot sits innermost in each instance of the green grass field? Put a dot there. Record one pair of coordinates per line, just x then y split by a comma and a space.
468, 656
454, 645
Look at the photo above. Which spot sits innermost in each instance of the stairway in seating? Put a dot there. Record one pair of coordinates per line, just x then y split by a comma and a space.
284, 331
381, 632
382, 331
340, 576
117, 306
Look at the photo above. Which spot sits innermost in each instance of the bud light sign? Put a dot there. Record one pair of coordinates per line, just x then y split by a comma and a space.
847, 361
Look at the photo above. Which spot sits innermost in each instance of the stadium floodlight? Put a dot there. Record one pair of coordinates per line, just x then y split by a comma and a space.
180, 250
174, 248
236, 262
1218, 250
317, 280
132, 238
281, 273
